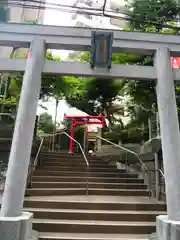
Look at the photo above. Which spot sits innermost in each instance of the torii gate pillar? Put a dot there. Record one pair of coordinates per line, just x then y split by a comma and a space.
168, 227
14, 223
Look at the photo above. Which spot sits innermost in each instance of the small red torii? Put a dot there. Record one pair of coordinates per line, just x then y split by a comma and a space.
27, 54
76, 122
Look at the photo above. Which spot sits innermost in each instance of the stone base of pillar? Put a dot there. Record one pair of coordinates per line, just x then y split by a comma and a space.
34, 235
166, 229
153, 236
17, 228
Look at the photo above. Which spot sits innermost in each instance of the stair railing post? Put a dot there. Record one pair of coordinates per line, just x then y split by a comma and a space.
126, 160
49, 144
99, 140
150, 128
59, 143
87, 181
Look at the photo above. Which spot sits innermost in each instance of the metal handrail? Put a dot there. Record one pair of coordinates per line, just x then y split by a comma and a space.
83, 153
7, 114
34, 165
160, 182
157, 170
161, 172
39, 149
164, 182
74, 140
38, 152
85, 158
133, 153
125, 149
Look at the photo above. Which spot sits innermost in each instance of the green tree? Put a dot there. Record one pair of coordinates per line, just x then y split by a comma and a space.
52, 85
97, 95
152, 14
45, 123
149, 16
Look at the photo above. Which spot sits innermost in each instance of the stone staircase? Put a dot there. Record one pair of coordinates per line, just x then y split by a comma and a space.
117, 207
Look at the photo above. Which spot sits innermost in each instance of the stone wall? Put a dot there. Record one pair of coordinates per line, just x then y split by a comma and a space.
146, 153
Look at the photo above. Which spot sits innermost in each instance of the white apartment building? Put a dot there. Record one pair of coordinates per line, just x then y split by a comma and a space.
21, 14
92, 21
87, 20
117, 6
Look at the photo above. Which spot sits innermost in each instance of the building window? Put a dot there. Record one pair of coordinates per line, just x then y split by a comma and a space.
4, 13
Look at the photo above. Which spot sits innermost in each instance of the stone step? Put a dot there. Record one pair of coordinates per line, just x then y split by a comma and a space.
90, 185
94, 203
79, 164
66, 155
117, 205
43, 172
82, 191
71, 159
77, 168
100, 215
82, 179
75, 161
90, 236
68, 159
60, 153
79, 226
48, 153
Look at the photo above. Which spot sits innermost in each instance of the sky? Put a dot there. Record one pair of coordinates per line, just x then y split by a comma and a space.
59, 18
52, 17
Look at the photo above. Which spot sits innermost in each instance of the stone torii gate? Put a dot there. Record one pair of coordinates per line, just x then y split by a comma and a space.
39, 38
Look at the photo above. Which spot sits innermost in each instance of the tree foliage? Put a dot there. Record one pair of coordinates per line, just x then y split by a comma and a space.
52, 85
148, 16
97, 96
45, 123
151, 14
131, 133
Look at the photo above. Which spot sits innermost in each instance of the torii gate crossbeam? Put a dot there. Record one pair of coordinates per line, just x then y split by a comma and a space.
42, 37
79, 39
55, 37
